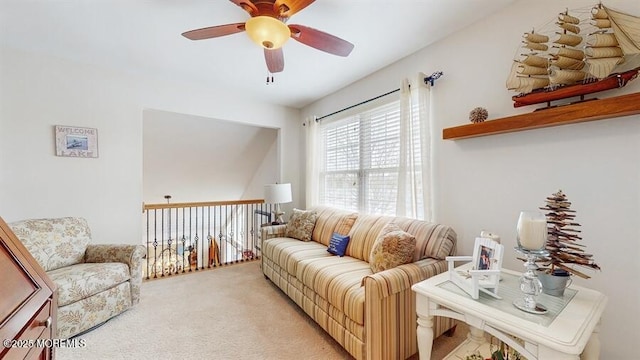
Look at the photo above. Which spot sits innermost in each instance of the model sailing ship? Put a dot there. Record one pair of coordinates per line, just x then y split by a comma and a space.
580, 56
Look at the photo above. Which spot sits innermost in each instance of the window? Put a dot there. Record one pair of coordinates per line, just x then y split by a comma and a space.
374, 158
360, 161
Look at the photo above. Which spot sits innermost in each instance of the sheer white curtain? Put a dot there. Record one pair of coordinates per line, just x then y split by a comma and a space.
414, 175
312, 170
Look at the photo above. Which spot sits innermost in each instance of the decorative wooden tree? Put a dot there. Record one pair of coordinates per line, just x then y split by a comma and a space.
562, 240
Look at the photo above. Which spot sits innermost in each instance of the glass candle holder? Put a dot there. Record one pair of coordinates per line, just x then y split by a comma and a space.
532, 230
531, 239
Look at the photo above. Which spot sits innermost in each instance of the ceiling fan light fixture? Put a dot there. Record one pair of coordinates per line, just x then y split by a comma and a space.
267, 31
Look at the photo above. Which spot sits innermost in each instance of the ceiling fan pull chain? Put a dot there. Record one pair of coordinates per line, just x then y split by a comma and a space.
269, 78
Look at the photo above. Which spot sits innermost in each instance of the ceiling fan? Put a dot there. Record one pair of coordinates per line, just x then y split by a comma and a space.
267, 27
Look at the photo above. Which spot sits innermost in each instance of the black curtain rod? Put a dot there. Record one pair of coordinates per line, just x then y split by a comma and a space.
358, 104
429, 79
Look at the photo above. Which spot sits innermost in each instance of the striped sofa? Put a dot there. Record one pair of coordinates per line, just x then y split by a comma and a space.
372, 315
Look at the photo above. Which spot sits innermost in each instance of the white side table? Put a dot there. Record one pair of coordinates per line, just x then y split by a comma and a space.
569, 329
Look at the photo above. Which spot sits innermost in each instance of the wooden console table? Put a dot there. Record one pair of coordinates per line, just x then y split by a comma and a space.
569, 329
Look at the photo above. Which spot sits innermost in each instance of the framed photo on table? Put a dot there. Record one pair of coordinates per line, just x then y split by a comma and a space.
487, 255
485, 274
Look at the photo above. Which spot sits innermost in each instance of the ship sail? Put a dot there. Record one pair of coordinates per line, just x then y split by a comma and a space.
525, 84
535, 60
603, 52
617, 43
626, 30
531, 71
571, 53
579, 55
566, 63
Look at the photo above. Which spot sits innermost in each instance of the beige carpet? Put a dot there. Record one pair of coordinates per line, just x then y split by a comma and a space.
231, 312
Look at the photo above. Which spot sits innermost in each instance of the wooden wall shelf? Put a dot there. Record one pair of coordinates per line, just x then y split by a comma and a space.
568, 114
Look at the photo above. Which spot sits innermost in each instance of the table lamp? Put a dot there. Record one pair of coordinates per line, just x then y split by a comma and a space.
277, 194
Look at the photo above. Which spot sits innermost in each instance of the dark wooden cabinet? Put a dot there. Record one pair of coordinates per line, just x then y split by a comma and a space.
27, 302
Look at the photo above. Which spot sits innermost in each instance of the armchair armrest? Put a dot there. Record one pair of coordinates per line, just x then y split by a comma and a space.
131, 255
272, 231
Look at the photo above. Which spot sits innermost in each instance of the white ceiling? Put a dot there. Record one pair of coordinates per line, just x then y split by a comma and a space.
143, 37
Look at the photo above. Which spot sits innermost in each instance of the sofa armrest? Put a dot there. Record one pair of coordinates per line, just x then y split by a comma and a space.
131, 255
402, 277
390, 309
272, 231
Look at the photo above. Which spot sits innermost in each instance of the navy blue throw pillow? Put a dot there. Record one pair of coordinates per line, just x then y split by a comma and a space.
338, 244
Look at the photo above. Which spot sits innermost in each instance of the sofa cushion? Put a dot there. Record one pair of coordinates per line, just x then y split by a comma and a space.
432, 240
364, 234
331, 220
54, 243
81, 281
338, 281
301, 224
338, 244
287, 252
393, 247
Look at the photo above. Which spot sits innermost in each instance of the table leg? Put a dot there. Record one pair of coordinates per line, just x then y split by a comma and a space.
476, 336
592, 349
425, 336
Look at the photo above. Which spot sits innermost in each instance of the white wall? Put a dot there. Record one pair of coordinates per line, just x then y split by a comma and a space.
265, 173
39, 91
483, 183
195, 159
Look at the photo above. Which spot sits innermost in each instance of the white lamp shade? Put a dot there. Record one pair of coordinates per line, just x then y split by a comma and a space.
277, 193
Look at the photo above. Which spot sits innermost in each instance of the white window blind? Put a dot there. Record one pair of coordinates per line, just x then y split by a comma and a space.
360, 157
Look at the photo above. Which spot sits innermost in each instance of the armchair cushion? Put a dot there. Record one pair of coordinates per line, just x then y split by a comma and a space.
131, 255
54, 243
81, 281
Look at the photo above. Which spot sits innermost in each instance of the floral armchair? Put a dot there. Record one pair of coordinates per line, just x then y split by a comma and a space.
95, 282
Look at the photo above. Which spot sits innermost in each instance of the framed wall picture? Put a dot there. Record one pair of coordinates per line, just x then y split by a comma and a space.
76, 141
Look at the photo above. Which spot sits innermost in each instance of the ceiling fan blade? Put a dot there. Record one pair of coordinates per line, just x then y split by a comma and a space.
321, 40
275, 60
286, 8
247, 5
214, 31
